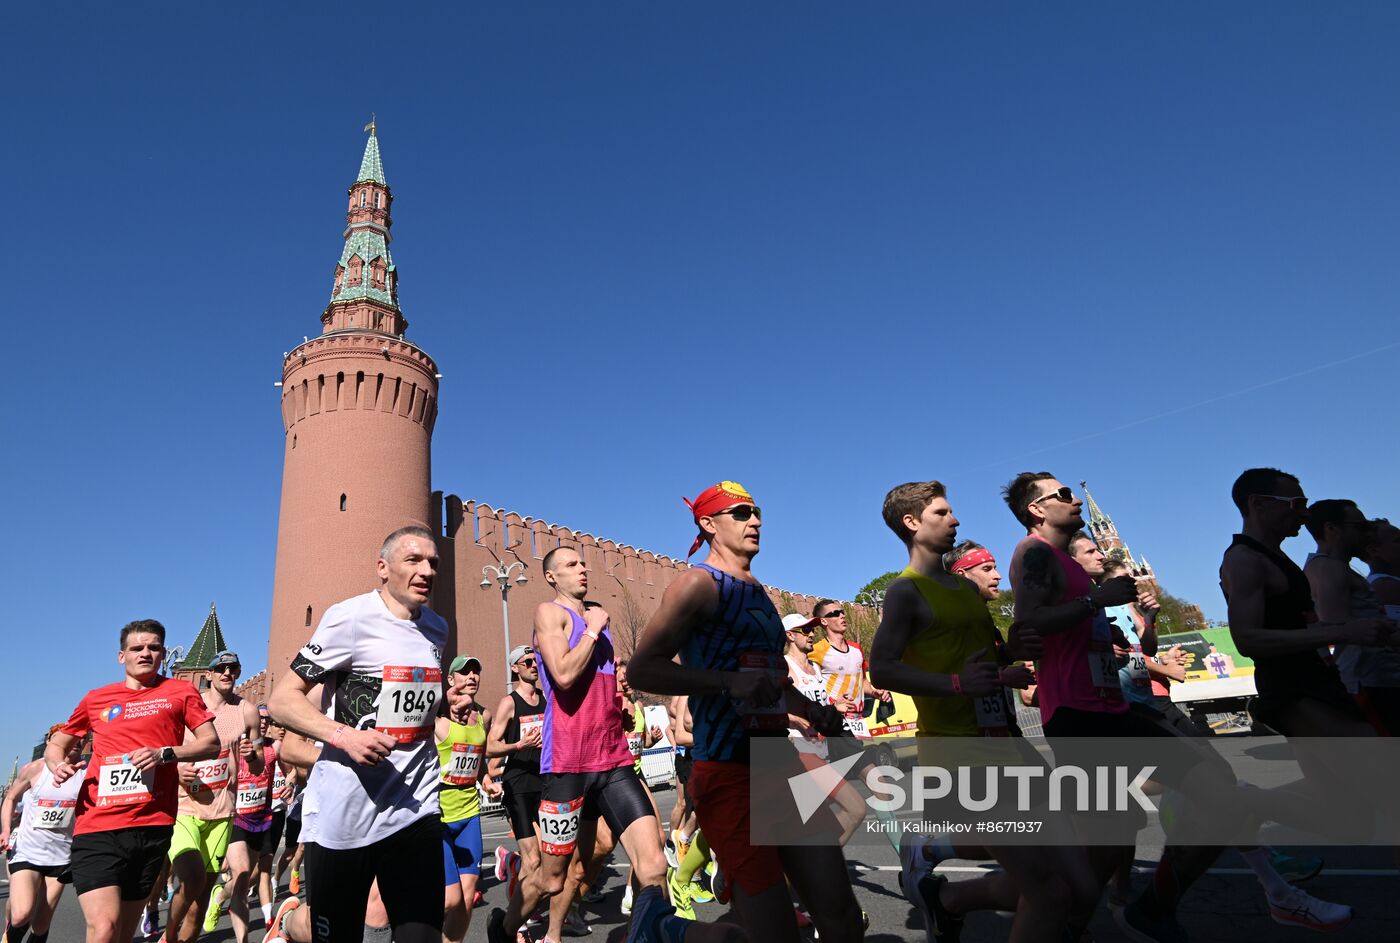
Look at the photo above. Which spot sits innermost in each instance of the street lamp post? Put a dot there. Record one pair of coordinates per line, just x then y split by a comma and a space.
501, 574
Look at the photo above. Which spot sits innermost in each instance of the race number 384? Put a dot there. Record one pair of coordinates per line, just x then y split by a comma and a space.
407, 698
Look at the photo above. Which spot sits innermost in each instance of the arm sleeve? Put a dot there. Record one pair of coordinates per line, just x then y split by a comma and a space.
330, 648
78, 722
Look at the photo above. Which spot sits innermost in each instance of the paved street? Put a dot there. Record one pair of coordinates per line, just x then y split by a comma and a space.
1225, 907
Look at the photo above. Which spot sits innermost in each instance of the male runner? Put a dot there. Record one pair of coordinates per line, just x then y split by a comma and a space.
206, 802
126, 808
1372, 675
371, 804
461, 736
840, 658
720, 620
584, 762
1080, 696
937, 643
1380, 692
249, 839
974, 561
39, 846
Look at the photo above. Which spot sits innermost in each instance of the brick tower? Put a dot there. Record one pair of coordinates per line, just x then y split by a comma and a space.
1105, 535
358, 406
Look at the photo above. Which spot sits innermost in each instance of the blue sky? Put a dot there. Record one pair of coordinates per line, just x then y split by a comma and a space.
820, 249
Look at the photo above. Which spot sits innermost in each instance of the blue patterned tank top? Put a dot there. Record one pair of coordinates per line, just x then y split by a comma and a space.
744, 622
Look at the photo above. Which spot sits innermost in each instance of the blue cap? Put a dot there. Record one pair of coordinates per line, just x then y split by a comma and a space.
225, 658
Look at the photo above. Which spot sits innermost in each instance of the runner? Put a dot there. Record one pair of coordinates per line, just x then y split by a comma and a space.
1080, 697
720, 620
1380, 692
371, 804
807, 680
1372, 675
937, 643
682, 815
840, 658
251, 838
282, 788
42, 844
975, 562
127, 802
207, 803
461, 736
585, 763
641, 737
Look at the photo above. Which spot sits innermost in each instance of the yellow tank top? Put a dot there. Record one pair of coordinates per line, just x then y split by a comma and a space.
961, 625
463, 757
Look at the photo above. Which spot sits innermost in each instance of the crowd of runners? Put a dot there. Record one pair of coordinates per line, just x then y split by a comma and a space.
368, 767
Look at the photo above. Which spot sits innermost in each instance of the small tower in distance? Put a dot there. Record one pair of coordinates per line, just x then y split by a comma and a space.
194, 666
1105, 534
358, 406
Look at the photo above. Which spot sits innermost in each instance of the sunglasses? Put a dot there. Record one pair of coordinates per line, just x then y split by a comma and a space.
225, 669
1064, 494
834, 613
1297, 504
741, 513
527, 662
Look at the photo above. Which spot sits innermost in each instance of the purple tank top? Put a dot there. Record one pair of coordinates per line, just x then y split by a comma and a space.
1078, 668
582, 730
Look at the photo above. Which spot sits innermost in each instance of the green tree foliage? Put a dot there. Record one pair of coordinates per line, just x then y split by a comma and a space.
872, 594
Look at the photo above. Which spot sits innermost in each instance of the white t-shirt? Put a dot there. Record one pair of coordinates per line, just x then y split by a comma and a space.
357, 648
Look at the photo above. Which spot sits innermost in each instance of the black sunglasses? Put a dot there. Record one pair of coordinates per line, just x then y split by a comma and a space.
834, 613
742, 513
527, 662
225, 669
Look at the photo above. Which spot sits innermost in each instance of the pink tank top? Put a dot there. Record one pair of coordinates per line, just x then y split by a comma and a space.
582, 730
1078, 668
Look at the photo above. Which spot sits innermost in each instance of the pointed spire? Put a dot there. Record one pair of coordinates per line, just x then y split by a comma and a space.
371, 167
208, 643
1096, 516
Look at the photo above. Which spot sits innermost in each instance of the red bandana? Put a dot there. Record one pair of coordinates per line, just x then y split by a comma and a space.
974, 558
712, 500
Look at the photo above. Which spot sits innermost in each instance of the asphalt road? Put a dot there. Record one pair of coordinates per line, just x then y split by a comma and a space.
1226, 906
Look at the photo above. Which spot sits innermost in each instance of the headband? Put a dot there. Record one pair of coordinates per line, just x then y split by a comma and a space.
711, 501
973, 558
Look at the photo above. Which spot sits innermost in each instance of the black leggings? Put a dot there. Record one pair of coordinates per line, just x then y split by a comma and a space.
408, 866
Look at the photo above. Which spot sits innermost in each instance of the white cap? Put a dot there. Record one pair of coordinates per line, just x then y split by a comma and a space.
795, 621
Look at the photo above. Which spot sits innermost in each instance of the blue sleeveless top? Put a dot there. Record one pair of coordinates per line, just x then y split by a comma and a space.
744, 620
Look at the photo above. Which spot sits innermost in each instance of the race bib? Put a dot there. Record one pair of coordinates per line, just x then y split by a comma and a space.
1103, 669
54, 814
855, 726
121, 783
252, 798
464, 765
407, 698
1136, 668
279, 783
211, 774
990, 710
530, 723
770, 717
634, 743
559, 825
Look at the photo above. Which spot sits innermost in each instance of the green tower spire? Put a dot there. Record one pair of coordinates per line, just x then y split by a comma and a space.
208, 643
371, 167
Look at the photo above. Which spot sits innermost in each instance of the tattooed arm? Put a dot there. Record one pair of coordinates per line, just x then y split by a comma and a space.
1039, 582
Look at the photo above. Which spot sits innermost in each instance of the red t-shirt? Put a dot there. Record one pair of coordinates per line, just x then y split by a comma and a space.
122, 719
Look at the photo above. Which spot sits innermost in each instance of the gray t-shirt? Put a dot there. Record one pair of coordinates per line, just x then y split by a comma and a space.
380, 672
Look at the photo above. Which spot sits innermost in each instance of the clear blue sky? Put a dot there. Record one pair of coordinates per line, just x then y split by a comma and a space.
817, 248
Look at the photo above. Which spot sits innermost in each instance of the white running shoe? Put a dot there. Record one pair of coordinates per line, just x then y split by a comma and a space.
1300, 909
627, 901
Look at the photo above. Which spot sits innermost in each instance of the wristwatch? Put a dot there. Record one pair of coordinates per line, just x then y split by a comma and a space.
167, 755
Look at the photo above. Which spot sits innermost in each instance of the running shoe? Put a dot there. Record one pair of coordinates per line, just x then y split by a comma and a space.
718, 884
1141, 928
150, 923
913, 865
1296, 869
169, 890
502, 856
680, 896
595, 894
574, 924
940, 925
1298, 908
700, 891
294, 885
275, 929
682, 849
477, 898
669, 849
627, 901
214, 911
